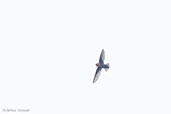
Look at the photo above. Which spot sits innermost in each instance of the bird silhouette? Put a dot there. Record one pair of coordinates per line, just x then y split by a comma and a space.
100, 65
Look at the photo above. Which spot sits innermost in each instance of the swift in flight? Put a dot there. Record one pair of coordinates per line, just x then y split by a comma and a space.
100, 65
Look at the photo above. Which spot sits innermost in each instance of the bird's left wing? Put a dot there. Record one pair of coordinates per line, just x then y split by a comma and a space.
97, 74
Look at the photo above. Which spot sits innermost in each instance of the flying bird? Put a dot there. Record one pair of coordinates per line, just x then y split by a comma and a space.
100, 65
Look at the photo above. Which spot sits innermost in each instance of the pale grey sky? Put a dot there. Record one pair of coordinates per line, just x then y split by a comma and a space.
49, 48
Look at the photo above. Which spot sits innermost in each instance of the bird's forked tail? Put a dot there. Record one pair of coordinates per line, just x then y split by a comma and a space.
107, 67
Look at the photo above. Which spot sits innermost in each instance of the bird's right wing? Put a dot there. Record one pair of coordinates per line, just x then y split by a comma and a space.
102, 56
97, 74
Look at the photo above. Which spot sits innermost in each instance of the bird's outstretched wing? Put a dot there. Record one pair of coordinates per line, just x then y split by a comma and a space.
102, 56
97, 74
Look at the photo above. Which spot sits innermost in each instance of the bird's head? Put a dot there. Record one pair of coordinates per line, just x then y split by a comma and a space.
97, 64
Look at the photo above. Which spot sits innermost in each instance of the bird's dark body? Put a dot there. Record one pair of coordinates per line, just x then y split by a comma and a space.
103, 66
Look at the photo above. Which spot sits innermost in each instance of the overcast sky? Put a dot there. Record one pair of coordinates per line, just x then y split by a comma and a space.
49, 48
